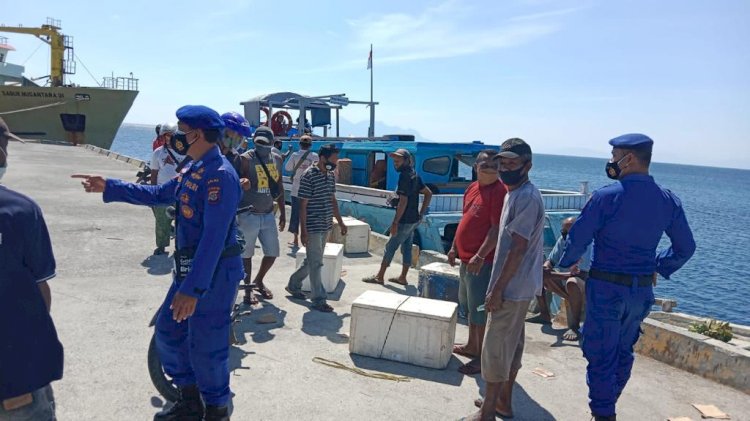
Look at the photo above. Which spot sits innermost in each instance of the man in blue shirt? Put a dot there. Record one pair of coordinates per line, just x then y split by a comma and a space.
31, 356
192, 329
625, 220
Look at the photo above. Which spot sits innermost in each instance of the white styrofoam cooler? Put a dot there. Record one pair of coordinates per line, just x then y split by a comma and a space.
396, 327
357, 238
333, 259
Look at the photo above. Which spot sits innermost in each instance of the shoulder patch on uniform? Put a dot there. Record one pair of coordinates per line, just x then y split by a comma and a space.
214, 193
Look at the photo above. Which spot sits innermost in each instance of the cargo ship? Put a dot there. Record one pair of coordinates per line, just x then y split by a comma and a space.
56, 109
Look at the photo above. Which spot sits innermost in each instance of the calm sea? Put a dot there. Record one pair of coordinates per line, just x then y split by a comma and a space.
713, 283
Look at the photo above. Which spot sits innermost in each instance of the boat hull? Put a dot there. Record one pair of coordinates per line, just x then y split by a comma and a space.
72, 114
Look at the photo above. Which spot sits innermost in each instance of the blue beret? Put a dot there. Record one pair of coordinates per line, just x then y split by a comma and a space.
632, 141
200, 117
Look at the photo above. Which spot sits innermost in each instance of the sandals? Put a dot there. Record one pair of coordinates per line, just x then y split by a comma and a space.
324, 308
298, 295
264, 292
372, 280
398, 281
471, 368
478, 403
461, 350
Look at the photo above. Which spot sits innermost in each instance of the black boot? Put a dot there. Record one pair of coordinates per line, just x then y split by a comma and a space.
601, 418
217, 413
188, 408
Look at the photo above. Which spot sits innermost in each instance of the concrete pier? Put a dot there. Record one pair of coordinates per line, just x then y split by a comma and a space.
108, 287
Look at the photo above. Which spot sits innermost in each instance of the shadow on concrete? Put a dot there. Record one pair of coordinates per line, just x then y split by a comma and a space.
336, 294
157, 402
358, 255
558, 334
316, 323
158, 265
410, 289
524, 406
448, 376
259, 323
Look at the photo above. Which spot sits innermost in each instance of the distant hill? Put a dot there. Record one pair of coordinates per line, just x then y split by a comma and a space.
349, 128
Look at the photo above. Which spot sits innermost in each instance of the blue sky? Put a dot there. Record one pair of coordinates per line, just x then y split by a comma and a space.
564, 75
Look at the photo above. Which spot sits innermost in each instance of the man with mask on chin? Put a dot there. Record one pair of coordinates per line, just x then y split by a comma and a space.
260, 177
236, 131
318, 206
31, 356
192, 328
516, 279
626, 221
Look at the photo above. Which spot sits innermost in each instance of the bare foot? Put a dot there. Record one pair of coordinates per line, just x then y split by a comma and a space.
571, 335
477, 416
399, 280
501, 409
465, 351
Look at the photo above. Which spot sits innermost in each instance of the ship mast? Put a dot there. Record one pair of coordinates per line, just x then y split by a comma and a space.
50, 34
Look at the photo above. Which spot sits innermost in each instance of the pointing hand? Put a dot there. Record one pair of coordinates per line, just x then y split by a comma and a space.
91, 183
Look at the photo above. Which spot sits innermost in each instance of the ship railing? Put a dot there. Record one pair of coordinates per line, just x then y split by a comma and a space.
120, 83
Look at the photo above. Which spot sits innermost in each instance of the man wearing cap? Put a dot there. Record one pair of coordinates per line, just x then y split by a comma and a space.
192, 328
31, 356
300, 161
406, 219
318, 206
260, 177
164, 163
625, 220
516, 279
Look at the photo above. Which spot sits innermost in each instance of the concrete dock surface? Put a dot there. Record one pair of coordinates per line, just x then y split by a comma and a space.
108, 286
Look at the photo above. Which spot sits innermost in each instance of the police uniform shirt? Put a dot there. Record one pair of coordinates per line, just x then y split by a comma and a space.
31, 355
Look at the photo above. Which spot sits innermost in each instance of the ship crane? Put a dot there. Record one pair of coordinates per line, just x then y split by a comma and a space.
59, 44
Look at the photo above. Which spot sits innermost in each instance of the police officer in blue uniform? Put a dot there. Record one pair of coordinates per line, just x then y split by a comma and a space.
192, 329
625, 220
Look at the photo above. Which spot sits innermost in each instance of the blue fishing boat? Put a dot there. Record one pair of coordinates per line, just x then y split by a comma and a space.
367, 179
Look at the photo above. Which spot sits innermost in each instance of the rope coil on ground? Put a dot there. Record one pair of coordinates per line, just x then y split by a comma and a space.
374, 375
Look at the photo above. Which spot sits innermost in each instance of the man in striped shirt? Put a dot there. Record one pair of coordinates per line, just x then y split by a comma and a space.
318, 206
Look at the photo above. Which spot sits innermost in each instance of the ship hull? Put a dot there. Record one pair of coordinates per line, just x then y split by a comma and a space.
73, 114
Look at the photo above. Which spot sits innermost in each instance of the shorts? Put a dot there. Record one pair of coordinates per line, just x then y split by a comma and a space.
41, 408
472, 290
558, 284
503, 341
259, 226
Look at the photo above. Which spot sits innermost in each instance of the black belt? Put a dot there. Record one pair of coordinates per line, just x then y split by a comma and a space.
229, 251
622, 278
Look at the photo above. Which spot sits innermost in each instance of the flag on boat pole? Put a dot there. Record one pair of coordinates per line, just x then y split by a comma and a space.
369, 59
371, 129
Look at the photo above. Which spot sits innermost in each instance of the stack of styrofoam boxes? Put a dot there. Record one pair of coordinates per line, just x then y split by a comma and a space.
357, 238
407, 329
333, 259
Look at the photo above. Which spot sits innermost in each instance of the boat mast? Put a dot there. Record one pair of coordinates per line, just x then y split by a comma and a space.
50, 34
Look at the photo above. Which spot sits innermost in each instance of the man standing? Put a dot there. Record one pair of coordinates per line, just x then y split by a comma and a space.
474, 245
164, 162
300, 161
318, 206
31, 356
192, 328
515, 280
406, 219
236, 131
158, 140
625, 220
568, 283
262, 185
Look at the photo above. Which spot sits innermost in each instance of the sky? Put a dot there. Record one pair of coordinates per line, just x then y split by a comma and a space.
566, 76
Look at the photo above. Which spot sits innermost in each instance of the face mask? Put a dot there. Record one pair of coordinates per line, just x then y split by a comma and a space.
232, 143
511, 178
263, 150
179, 142
613, 169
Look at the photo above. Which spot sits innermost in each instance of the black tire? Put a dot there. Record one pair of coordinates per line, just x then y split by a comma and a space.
159, 378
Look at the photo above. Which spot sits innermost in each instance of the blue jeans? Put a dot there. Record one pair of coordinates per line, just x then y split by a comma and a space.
41, 408
404, 238
316, 244
613, 324
472, 290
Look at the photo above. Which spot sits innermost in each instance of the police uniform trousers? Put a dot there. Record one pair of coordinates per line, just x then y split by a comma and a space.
614, 314
196, 351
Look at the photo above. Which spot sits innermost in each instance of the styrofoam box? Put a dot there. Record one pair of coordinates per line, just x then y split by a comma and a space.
407, 329
333, 259
357, 238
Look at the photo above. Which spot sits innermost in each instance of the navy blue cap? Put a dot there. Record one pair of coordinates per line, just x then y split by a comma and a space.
328, 150
200, 117
632, 141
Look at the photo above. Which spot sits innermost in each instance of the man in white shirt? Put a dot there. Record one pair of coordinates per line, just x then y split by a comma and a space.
164, 162
296, 166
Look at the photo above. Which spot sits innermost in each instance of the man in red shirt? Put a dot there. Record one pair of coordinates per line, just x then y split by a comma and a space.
474, 245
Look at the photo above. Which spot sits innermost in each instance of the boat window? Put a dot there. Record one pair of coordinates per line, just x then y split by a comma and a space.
440, 165
378, 170
463, 169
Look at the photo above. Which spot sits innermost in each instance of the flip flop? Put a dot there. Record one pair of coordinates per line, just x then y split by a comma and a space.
264, 292
539, 320
571, 332
372, 280
398, 281
250, 299
471, 368
324, 308
478, 403
298, 295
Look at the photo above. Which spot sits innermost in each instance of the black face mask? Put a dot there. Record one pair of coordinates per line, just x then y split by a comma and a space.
511, 178
179, 142
613, 169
